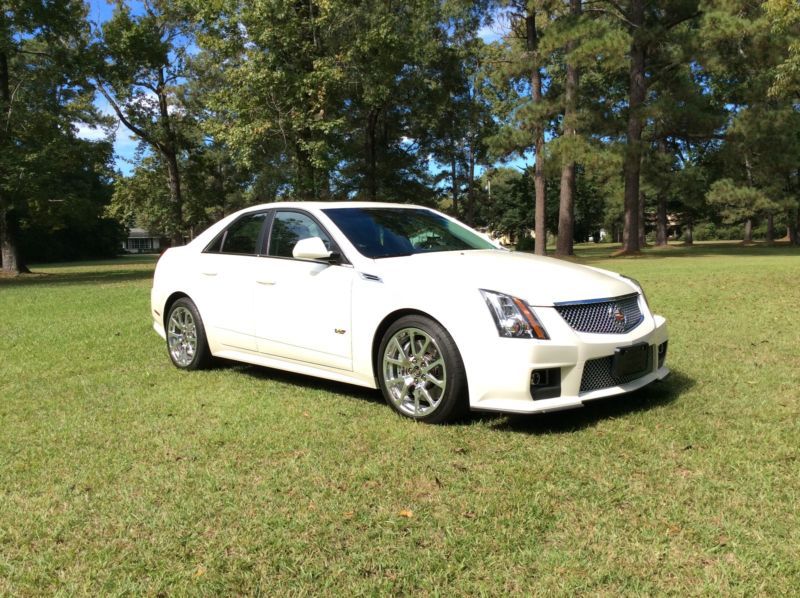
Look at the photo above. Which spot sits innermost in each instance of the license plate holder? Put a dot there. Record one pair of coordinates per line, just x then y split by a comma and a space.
631, 361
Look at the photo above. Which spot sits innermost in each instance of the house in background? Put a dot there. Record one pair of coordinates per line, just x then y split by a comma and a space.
141, 241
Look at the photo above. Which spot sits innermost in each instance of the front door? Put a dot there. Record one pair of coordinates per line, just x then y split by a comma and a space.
303, 307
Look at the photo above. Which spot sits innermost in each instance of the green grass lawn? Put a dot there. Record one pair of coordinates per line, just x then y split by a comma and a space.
120, 474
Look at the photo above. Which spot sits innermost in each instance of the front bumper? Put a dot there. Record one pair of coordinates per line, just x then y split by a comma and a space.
499, 376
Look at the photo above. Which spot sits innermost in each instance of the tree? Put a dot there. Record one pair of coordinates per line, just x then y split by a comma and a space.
514, 70
784, 21
739, 203
461, 120
746, 49
337, 100
283, 60
566, 213
507, 206
64, 217
653, 28
141, 63
42, 95
686, 122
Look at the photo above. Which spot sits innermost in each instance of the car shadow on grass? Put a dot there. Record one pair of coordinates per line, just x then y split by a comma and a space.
656, 395
307, 382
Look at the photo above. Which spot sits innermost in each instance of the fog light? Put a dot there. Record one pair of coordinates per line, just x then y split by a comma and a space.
662, 354
546, 383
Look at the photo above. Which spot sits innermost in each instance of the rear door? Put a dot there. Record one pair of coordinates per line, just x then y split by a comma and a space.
227, 272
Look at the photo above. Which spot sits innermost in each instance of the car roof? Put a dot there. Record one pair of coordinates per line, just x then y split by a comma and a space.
322, 205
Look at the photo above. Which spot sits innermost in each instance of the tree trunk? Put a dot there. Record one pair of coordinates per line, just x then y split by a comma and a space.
540, 244
633, 147
9, 251
372, 160
454, 182
566, 204
10, 259
793, 223
770, 228
470, 208
169, 150
642, 239
176, 235
688, 233
661, 222
540, 223
566, 211
748, 231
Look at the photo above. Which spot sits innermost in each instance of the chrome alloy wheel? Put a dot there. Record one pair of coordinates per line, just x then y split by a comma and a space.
414, 372
182, 336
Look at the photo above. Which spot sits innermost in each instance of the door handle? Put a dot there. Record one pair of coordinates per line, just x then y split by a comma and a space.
267, 282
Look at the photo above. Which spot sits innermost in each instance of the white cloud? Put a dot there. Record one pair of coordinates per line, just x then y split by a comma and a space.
499, 27
85, 131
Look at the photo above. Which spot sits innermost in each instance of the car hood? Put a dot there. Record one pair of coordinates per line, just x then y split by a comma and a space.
541, 281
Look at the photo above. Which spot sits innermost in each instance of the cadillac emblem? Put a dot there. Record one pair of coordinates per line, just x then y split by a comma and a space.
618, 315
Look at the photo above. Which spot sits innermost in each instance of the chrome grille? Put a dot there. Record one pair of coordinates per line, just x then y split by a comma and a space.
598, 373
604, 316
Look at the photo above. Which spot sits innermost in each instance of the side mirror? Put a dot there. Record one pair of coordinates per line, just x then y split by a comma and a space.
311, 248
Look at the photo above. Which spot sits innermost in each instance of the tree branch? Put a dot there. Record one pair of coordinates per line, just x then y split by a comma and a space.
32, 52
124, 120
11, 104
619, 16
683, 19
146, 85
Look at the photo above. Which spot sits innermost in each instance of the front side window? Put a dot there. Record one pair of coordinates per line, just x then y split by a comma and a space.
290, 227
241, 237
392, 232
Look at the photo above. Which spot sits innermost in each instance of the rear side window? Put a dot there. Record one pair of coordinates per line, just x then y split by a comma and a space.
290, 227
242, 237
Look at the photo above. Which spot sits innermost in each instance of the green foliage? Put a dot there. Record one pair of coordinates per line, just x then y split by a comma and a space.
507, 209
334, 100
45, 171
66, 221
242, 102
738, 203
784, 20
140, 67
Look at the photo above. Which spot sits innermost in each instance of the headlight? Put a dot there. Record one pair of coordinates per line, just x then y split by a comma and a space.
636, 283
513, 317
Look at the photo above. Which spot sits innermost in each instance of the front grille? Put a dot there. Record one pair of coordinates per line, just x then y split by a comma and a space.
598, 373
604, 316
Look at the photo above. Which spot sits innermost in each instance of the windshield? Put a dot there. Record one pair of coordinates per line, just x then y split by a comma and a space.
392, 232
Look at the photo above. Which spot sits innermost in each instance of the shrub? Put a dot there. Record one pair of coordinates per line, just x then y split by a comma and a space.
525, 243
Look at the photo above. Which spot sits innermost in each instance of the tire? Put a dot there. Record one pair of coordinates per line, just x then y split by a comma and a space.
186, 337
420, 371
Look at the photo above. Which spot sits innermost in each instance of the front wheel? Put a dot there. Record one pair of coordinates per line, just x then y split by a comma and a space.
420, 371
186, 337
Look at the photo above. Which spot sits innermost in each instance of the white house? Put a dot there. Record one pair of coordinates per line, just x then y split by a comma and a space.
141, 241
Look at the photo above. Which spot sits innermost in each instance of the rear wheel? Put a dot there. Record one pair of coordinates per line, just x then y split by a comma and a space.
421, 373
186, 337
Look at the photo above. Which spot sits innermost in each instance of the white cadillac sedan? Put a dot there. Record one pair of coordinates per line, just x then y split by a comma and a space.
408, 300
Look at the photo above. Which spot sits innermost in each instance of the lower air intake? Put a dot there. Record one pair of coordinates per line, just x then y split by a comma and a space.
599, 373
